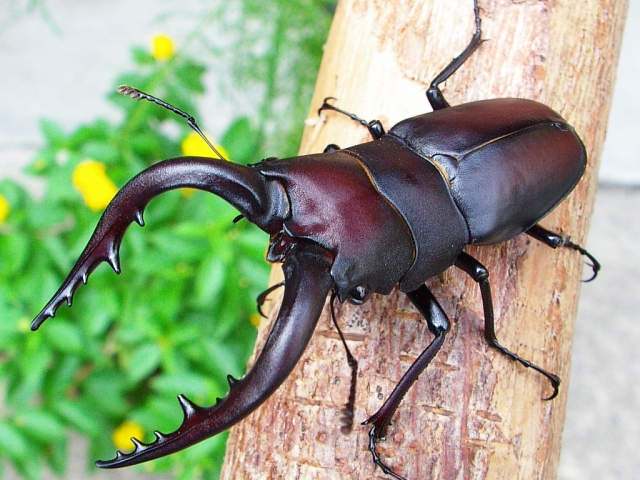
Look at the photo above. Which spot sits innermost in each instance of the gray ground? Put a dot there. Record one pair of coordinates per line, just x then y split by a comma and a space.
602, 431
65, 76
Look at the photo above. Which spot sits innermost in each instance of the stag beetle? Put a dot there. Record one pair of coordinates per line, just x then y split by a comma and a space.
397, 210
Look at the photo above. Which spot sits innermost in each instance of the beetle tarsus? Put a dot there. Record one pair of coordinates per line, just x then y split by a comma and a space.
555, 240
595, 265
374, 437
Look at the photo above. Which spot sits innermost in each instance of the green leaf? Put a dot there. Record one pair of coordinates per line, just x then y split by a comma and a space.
35, 360
80, 417
57, 457
105, 392
190, 75
142, 56
53, 133
104, 151
41, 425
142, 362
209, 281
65, 336
190, 384
13, 443
62, 377
14, 252
241, 142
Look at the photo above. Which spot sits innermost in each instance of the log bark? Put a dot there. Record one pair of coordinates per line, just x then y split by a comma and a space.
473, 413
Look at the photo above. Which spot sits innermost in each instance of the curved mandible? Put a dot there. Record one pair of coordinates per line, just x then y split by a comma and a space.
307, 282
260, 201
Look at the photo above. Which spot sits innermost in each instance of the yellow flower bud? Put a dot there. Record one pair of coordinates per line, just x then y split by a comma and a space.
4, 209
194, 146
162, 47
122, 435
255, 319
91, 180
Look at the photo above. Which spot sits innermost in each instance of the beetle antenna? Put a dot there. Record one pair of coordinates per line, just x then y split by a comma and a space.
136, 94
348, 410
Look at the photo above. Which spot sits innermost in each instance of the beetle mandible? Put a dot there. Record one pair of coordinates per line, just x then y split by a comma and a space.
479, 173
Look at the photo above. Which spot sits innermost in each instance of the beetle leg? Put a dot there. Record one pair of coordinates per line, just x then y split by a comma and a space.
374, 126
263, 297
434, 95
348, 410
332, 147
480, 274
439, 325
554, 240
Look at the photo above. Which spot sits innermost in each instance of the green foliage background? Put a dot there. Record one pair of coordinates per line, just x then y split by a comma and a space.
177, 318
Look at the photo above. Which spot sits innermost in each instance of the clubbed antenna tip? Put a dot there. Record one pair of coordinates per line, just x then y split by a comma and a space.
136, 94
129, 91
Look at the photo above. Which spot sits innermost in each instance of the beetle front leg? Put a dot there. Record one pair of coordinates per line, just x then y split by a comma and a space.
374, 126
480, 274
555, 240
439, 325
434, 95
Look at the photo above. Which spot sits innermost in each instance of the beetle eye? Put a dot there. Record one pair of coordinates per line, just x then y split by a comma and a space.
359, 295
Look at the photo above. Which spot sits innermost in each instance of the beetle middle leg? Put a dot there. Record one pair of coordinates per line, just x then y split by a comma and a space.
438, 325
480, 274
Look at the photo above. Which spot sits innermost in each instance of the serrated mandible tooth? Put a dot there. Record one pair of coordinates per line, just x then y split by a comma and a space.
114, 259
138, 444
188, 407
138, 217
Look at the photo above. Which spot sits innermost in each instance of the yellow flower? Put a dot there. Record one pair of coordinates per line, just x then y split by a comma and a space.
91, 180
255, 319
162, 47
122, 435
194, 146
4, 209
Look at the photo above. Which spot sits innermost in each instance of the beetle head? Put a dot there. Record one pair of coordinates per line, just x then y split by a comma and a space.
333, 203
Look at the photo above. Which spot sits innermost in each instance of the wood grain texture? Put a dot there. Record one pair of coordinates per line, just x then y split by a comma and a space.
473, 414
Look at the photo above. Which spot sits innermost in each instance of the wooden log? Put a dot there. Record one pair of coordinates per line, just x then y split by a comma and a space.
473, 413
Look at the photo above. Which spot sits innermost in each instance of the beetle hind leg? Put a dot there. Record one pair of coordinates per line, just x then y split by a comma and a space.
439, 325
480, 274
555, 240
